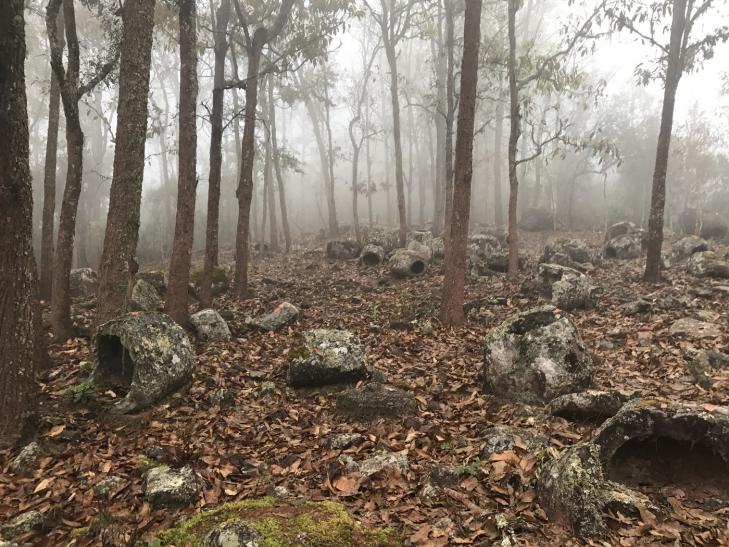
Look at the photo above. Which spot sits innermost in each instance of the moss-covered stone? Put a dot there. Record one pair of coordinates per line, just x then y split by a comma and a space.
328, 357
282, 523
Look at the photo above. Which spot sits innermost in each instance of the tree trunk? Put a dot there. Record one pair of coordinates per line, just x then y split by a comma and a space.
498, 137
179, 276
658, 194
19, 311
451, 310
268, 170
514, 133
333, 223
216, 154
245, 185
450, 112
118, 265
440, 130
277, 168
399, 182
368, 158
49, 179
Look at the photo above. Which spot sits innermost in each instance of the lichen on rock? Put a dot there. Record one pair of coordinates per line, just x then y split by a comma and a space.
328, 357
376, 400
209, 325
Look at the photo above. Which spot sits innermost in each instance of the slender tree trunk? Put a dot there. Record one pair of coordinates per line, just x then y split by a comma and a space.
268, 169
451, 311
658, 193
19, 311
514, 133
450, 113
179, 276
498, 137
333, 223
216, 155
370, 220
440, 129
278, 170
118, 265
245, 185
49, 179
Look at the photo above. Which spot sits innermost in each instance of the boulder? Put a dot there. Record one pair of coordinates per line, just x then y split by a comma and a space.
571, 293
343, 249
685, 247
536, 219
372, 255
282, 315
156, 278
23, 523
421, 236
645, 439
404, 263
328, 357
549, 274
386, 238
708, 264
620, 229
145, 297
694, 328
24, 463
624, 247
536, 356
233, 534
497, 261
209, 325
166, 487
376, 400
84, 283
588, 405
704, 364
424, 251
483, 244
500, 438
573, 253
146, 356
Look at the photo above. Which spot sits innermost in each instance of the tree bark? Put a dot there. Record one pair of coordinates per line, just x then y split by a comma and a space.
118, 265
216, 154
440, 129
451, 310
277, 168
268, 170
450, 112
179, 276
49, 179
498, 137
19, 310
514, 134
658, 194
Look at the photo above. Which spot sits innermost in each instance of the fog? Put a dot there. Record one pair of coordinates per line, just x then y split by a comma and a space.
598, 170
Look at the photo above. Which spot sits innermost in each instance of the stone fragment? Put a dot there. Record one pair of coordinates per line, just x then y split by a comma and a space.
343, 249
695, 328
209, 325
282, 315
376, 400
144, 297
166, 487
327, 357
24, 463
83, 283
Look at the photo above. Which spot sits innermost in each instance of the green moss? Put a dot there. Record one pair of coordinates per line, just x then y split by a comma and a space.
301, 352
325, 524
76, 533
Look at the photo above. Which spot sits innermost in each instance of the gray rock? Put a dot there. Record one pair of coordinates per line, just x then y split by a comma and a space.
571, 293
624, 247
343, 249
588, 405
708, 264
619, 229
26, 460
425, 252
536, 356
327, 357
222, 398
209, 325
483, 244
342, 441
574, 253
638, 307
376, 400
501, 438
156, 278
233, 534
23, 523
548, 274
378, 463
83, 283
497, 261
438, 246
386, 238
267, 388
146, 355
404, 263
372, 255
165, 487
685, 247
282, 315
145, 297
694, 328
703, 365
107, 486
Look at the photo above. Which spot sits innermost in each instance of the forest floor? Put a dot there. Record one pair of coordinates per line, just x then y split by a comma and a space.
280, 439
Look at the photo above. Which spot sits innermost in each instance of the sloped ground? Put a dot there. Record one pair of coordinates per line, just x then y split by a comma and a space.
263, 441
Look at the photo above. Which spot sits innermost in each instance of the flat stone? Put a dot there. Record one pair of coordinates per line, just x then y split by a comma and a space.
209, 325
500, 438
694, 328
378, 463
708, 264
165, 487
704, 364
344, 440
282, 315
328, 357
23, 523
588, 405
233, 534
376, 400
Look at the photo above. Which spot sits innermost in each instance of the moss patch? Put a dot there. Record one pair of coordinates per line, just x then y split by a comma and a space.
325, 524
